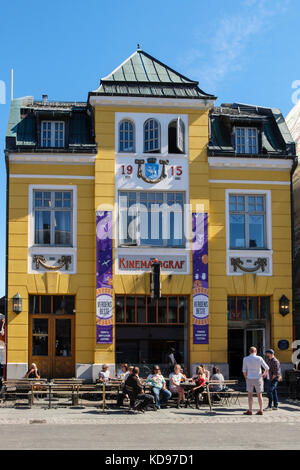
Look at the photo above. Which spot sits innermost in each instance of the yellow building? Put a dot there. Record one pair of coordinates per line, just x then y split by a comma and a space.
204, 190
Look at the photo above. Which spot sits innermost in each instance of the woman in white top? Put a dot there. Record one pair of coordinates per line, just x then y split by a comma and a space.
124, 372
175, 380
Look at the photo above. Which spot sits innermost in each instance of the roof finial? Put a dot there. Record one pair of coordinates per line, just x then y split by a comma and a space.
138, 47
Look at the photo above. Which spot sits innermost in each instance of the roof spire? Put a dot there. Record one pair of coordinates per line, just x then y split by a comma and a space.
138, 47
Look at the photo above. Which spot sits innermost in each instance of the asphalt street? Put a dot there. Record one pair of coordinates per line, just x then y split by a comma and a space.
170, 429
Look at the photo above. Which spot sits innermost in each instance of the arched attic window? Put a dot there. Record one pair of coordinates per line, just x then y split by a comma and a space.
176, 136
126, 136
151, 136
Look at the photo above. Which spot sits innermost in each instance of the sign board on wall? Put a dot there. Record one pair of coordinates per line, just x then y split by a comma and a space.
138, 263
200, 279
104, 280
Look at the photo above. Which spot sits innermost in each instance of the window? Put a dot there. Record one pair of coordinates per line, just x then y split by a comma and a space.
56, 304
247, 221
126, 136
176, 136
53, 134
248, 308
143, 310
246, 140
151, 136
151, 218
53, 217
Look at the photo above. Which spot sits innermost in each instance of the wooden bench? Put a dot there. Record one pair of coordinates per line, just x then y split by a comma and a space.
22, 388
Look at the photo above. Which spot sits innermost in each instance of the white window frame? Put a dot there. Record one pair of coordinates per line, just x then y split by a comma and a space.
31, 231
242, 252
119, 135
52, 134
52, 211
247, 147
268, 217
246, 213
138, 235
158, 149
180, 134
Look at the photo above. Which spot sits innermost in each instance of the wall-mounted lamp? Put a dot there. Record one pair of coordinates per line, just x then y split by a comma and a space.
284, 303
17, 303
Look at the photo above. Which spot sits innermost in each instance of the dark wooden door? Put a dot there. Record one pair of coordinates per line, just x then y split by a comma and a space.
52, 345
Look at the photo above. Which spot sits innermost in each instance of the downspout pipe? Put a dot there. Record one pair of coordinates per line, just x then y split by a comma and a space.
294, 166
6, 258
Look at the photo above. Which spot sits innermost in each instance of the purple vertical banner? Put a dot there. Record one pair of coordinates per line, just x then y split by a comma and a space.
200, 278
104, 287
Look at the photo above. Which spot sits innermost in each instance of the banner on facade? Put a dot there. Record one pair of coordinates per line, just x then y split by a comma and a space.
200, 278
104, 288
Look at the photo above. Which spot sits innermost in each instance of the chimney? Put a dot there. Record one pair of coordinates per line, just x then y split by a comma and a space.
44, 98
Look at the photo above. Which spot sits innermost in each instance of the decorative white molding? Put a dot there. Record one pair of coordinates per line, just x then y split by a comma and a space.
164, 120
248, 260
235, 163
53, 177
280, 183
96, 100
50, 158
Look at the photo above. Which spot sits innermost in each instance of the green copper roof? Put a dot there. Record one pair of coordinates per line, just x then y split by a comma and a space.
143, 75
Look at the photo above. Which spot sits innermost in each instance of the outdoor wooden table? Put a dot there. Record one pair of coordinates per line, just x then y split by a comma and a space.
190, 385
106, 387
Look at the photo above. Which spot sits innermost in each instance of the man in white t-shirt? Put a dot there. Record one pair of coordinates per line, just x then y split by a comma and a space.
252, 370
104, 374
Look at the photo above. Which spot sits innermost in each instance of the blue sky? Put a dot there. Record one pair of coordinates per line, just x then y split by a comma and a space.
241, 50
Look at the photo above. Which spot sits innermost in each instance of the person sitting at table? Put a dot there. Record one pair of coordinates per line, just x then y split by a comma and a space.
157, 381
33, 372
104, 374
124, 372
199, 379
217, 376
123, 394
206, 372
139, 400
175, 380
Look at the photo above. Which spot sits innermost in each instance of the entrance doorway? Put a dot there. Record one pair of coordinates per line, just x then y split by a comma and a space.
147, 331
51, 335
248, 325
255, 337
239, 343
235, 352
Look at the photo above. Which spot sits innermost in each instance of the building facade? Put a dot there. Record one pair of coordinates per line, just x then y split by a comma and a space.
293, 123
147, 169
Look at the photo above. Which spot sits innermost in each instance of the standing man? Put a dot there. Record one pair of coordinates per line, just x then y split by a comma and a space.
171, 361
274, 377
252, 370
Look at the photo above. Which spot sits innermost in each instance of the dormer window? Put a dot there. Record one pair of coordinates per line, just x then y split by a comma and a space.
176, 136
126, 136
53, 134
246, 140
151, 136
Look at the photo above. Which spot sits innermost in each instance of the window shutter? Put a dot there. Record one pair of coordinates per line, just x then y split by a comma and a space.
180, 135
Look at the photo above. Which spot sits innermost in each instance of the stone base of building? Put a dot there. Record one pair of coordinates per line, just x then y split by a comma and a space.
91, 371
16, 370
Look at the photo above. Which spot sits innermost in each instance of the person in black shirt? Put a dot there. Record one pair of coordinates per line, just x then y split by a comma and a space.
135, 389
33, 372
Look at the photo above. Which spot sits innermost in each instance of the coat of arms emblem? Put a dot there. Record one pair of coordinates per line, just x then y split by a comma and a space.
152, 170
